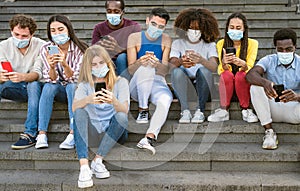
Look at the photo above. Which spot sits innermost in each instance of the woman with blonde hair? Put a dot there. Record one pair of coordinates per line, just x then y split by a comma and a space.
98, 111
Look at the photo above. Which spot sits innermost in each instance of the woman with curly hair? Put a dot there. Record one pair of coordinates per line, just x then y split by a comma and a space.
233, 67
195, 57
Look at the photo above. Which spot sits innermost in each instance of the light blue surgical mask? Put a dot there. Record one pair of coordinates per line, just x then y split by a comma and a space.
20, 43
285, 58
60, 38
100, 72
235, 34
154, 32
114, 19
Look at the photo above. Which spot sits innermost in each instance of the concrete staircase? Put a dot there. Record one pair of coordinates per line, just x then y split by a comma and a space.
208, 156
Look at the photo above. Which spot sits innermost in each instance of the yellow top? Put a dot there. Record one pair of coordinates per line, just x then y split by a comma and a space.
251, 54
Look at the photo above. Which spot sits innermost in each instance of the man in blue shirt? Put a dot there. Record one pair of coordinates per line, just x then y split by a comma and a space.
280, 68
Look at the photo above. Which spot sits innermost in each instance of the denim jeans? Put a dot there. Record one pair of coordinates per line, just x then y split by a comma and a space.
83, 129
121, 63
182, 85
60, 93
25, 92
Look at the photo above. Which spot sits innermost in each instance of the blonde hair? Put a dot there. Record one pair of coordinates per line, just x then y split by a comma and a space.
86, 66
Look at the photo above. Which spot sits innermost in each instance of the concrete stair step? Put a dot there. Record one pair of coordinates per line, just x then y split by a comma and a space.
26, 180
169, 156
227, 132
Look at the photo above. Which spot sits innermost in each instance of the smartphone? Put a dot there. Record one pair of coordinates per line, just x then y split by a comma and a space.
150, 53
6, 66
104, 38
99, 86
188, 52
53, 50
278, 88
230, 50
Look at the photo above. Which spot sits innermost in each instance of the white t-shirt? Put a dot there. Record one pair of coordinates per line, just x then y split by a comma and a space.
100, 114
29, 62
206, 50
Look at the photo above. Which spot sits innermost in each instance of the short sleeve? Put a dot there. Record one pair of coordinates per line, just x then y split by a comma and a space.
175, 49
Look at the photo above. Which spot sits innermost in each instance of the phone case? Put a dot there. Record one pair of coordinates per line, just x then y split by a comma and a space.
6, 66
53, 50
230, 50
278, 88
99, 86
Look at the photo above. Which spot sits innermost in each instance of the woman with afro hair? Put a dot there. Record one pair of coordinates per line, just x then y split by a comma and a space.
195, 57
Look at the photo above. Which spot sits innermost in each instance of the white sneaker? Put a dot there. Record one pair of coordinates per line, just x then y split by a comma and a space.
249, 116
185, 116
198, 117
41, 141
68, 143
219, 115
85, 177
146, 143
270, 140
143, 117
99, 169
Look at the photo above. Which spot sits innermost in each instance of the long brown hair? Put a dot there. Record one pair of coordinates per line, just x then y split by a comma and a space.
65, 21
244, 41
86, 66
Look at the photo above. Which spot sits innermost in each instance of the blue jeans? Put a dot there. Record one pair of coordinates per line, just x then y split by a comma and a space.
182, 84
60, 93
24, 92
121, 63
83, 130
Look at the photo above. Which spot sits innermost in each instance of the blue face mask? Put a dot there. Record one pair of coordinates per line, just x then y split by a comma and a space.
235, 34
154, 32
100, 72
20, 43
285, 58
60, 38
114, 19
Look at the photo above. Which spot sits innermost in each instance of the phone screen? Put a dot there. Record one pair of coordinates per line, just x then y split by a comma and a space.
53, 50
99, 86
6, 66
278, 88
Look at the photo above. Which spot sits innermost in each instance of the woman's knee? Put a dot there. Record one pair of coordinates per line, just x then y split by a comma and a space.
122, 119
227, 76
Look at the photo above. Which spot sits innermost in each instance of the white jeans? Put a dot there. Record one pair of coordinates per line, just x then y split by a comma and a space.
145, 85
269, 111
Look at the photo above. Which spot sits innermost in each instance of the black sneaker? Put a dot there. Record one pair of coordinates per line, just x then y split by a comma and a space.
24, 142
143, 117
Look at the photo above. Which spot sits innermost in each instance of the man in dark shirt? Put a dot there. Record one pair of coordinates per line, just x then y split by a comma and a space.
113, 33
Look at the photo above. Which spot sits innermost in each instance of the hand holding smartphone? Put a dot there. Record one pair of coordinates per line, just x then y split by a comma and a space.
99, 86
6, 66
188, 52
278, 88
53, 50
230, 50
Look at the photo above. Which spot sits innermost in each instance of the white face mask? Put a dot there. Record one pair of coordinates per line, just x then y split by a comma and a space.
285, 58
193, 35
100, 72
114, 19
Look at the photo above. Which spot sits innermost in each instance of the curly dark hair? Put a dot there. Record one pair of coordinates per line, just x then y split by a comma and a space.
65, 21
283, 34
244, 41
207, 22
24, 21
